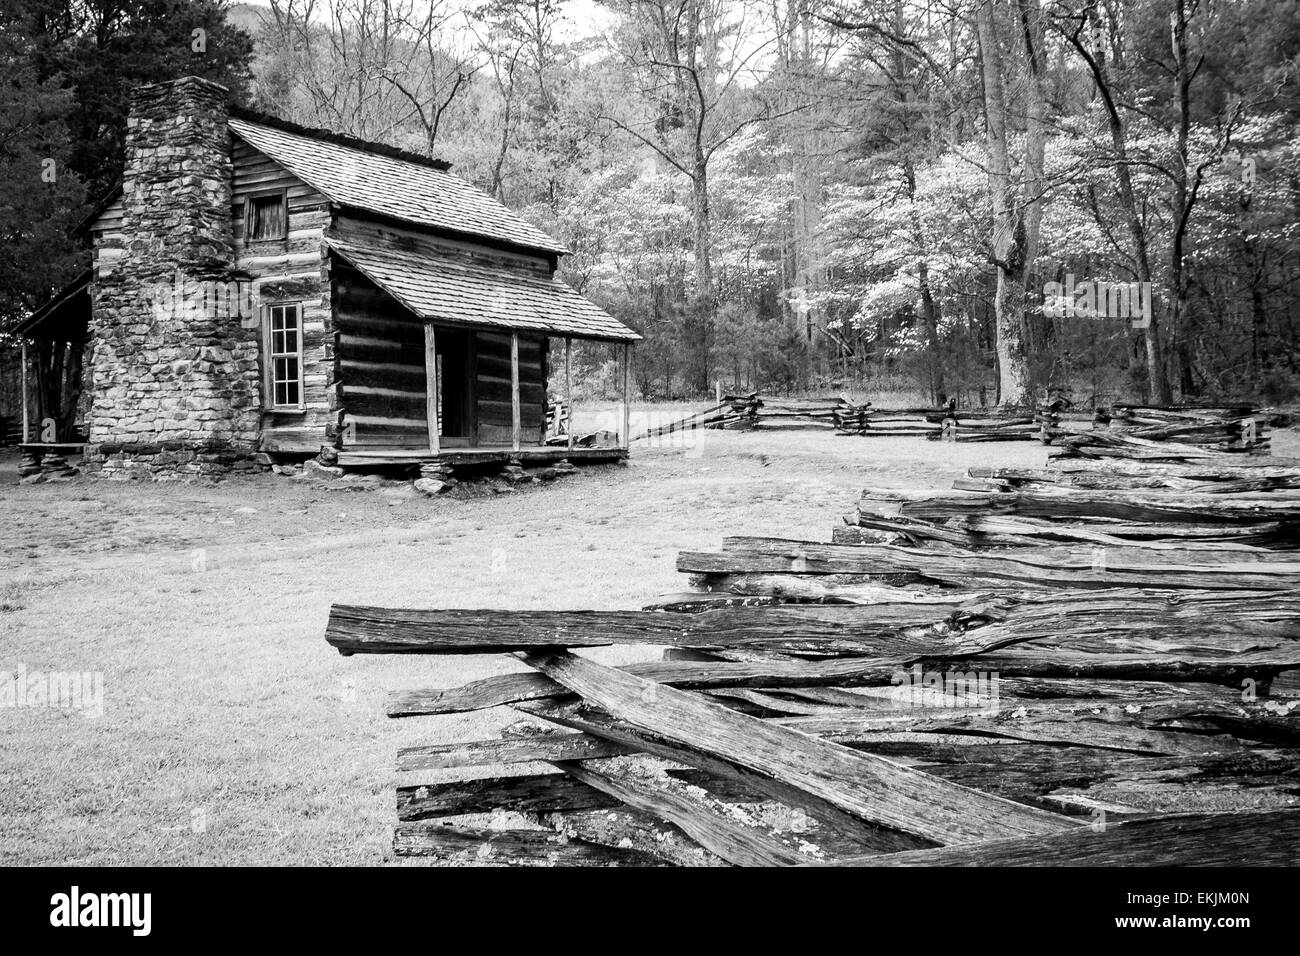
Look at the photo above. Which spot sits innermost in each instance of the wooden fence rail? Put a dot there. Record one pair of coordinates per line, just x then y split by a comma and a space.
1141, 433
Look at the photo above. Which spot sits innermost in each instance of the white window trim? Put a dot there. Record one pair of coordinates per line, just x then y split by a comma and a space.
270, 354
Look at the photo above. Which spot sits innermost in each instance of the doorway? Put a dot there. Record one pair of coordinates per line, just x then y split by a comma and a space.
455, 352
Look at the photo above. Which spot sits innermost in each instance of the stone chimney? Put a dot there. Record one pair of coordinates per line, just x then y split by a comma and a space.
175, 379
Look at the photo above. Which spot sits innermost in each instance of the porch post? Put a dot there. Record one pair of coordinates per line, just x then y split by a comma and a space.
514, 390
568, 389
26, 415
627, 394
431, 385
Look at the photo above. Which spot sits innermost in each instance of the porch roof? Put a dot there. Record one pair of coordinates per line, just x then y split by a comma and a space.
437, 289
62, 318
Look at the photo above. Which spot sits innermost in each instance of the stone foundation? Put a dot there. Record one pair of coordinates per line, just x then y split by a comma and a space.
170, 461
36, 467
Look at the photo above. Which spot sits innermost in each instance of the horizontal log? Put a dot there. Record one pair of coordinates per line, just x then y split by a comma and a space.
382, 375
812, 628
1245, 838
1223, 468
1036, 567
859, 727
1210, 480
625, 828
1154, 506
1080, 779
531, 793
692, 602
1155, 452
465, 846
1122, 556
988, 531
476, 753
864, 589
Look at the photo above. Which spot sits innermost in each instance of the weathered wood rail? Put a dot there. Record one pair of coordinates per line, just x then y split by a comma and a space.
1163, 434
1094, 663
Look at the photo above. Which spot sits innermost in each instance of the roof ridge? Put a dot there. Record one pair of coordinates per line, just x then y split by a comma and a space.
338, 139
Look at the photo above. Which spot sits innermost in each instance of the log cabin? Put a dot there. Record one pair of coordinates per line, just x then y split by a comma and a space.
260, 289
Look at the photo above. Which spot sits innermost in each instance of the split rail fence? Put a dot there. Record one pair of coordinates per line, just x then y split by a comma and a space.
1240, 428
1090, 663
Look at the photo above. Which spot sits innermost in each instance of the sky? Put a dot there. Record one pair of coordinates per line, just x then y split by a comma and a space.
588, 19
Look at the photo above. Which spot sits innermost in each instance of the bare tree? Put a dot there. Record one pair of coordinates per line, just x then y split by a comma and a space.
1096, 38
518, 39
371, 68
888, 31
691, 61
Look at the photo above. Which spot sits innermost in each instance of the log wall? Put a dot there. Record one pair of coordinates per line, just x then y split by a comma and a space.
380, 365
293, 269
495, 416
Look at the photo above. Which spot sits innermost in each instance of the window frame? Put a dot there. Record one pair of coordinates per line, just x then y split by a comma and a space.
270, 355
250, 201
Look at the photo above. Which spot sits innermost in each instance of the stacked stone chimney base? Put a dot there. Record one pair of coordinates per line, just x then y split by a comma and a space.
175, 376
171, 461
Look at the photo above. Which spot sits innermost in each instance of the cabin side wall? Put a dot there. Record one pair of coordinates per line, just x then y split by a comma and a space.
380, 363
291, 270
108, 239
108, 246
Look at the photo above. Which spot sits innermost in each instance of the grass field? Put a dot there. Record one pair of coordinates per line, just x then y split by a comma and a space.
231, 733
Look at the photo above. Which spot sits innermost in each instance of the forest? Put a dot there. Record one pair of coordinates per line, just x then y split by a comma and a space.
980, 200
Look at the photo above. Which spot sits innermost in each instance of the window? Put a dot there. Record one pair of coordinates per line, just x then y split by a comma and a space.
267, 218
284, 355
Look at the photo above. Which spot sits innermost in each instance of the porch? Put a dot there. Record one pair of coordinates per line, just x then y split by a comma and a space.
526, 454
443, 361
52, 343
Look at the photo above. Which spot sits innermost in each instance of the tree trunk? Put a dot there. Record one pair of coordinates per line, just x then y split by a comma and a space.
704, 292
1009, 312
70, 388
929, 308
930, 319
1008, 240
1157, 372
1177, 279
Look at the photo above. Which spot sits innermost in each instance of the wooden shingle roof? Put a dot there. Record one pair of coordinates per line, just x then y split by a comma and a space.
436, 288
413, 192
